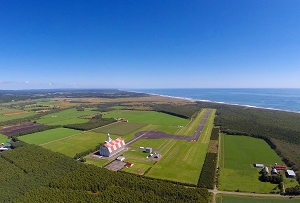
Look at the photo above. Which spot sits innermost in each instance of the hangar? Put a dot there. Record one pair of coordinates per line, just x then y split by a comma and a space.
111, 147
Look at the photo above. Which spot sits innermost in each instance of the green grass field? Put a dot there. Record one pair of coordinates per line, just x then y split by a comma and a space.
238, 154
16, 116
72, 145
48, 135
139, 167
190, 128
148, 117
3, 139
154, 143
68, 116
181, 160
242, 199
97, 162
121, 128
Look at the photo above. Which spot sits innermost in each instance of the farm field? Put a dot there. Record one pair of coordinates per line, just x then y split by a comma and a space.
181, 160
238, 154
72, 145
239, 199
48, 135
15, 115
148, 117
68, 116
120, 128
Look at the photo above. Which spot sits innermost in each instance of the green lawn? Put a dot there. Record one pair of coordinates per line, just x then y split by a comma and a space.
97, 162
68, 116
3, 139
238, 154
239, 199
148, 117
181, 160
121, 128
48, 135
16, 116
70, 146
139, 167
154, 143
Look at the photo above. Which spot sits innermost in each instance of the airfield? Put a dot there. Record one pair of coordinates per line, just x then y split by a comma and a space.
182, 145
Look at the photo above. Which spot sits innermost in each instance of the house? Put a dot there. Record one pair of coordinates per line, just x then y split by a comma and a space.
290, 174
259, 165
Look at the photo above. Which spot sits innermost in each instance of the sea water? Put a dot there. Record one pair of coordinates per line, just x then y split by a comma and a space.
279, 99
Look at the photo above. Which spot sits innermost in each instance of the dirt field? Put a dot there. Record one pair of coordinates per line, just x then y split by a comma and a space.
9, 131
14, 113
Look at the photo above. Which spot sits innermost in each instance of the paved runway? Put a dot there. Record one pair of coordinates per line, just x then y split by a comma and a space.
159, 134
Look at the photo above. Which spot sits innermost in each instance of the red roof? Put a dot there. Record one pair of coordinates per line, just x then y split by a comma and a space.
280, 167
128, 164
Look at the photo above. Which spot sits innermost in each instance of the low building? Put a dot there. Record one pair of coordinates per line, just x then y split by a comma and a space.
266, 169
290, 174
279, 167
274, 171
259, 165
129, 164
111, 147
148, 150
121, 158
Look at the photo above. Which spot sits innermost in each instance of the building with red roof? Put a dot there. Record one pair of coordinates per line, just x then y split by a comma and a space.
111, 147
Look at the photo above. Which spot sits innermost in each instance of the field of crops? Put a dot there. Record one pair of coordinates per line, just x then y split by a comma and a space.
239, 199
72, 145
68, 116
120, 128
238, 154
148, 117
48, 135
15, 115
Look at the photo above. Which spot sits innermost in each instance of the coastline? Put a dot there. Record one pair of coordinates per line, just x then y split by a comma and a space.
215, 102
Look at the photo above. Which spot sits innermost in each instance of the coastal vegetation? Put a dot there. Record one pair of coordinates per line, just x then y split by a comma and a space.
80, 127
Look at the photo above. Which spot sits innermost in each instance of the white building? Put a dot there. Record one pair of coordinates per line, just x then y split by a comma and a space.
111, 147
290, 173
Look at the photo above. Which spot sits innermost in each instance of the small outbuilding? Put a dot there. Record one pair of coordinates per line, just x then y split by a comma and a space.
266, 169
259, 165
129, 164
274, 171
279, 167
148, 150
290, 174
121, 158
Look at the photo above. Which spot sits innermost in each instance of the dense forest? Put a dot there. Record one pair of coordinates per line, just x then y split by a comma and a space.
281, 130
34, 174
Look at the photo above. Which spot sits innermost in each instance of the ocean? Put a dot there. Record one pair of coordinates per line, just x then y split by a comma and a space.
278, 99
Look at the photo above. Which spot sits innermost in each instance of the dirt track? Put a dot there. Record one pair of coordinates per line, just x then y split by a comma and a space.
159, 134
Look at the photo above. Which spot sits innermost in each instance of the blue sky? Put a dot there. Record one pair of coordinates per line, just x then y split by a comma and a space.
149, 44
